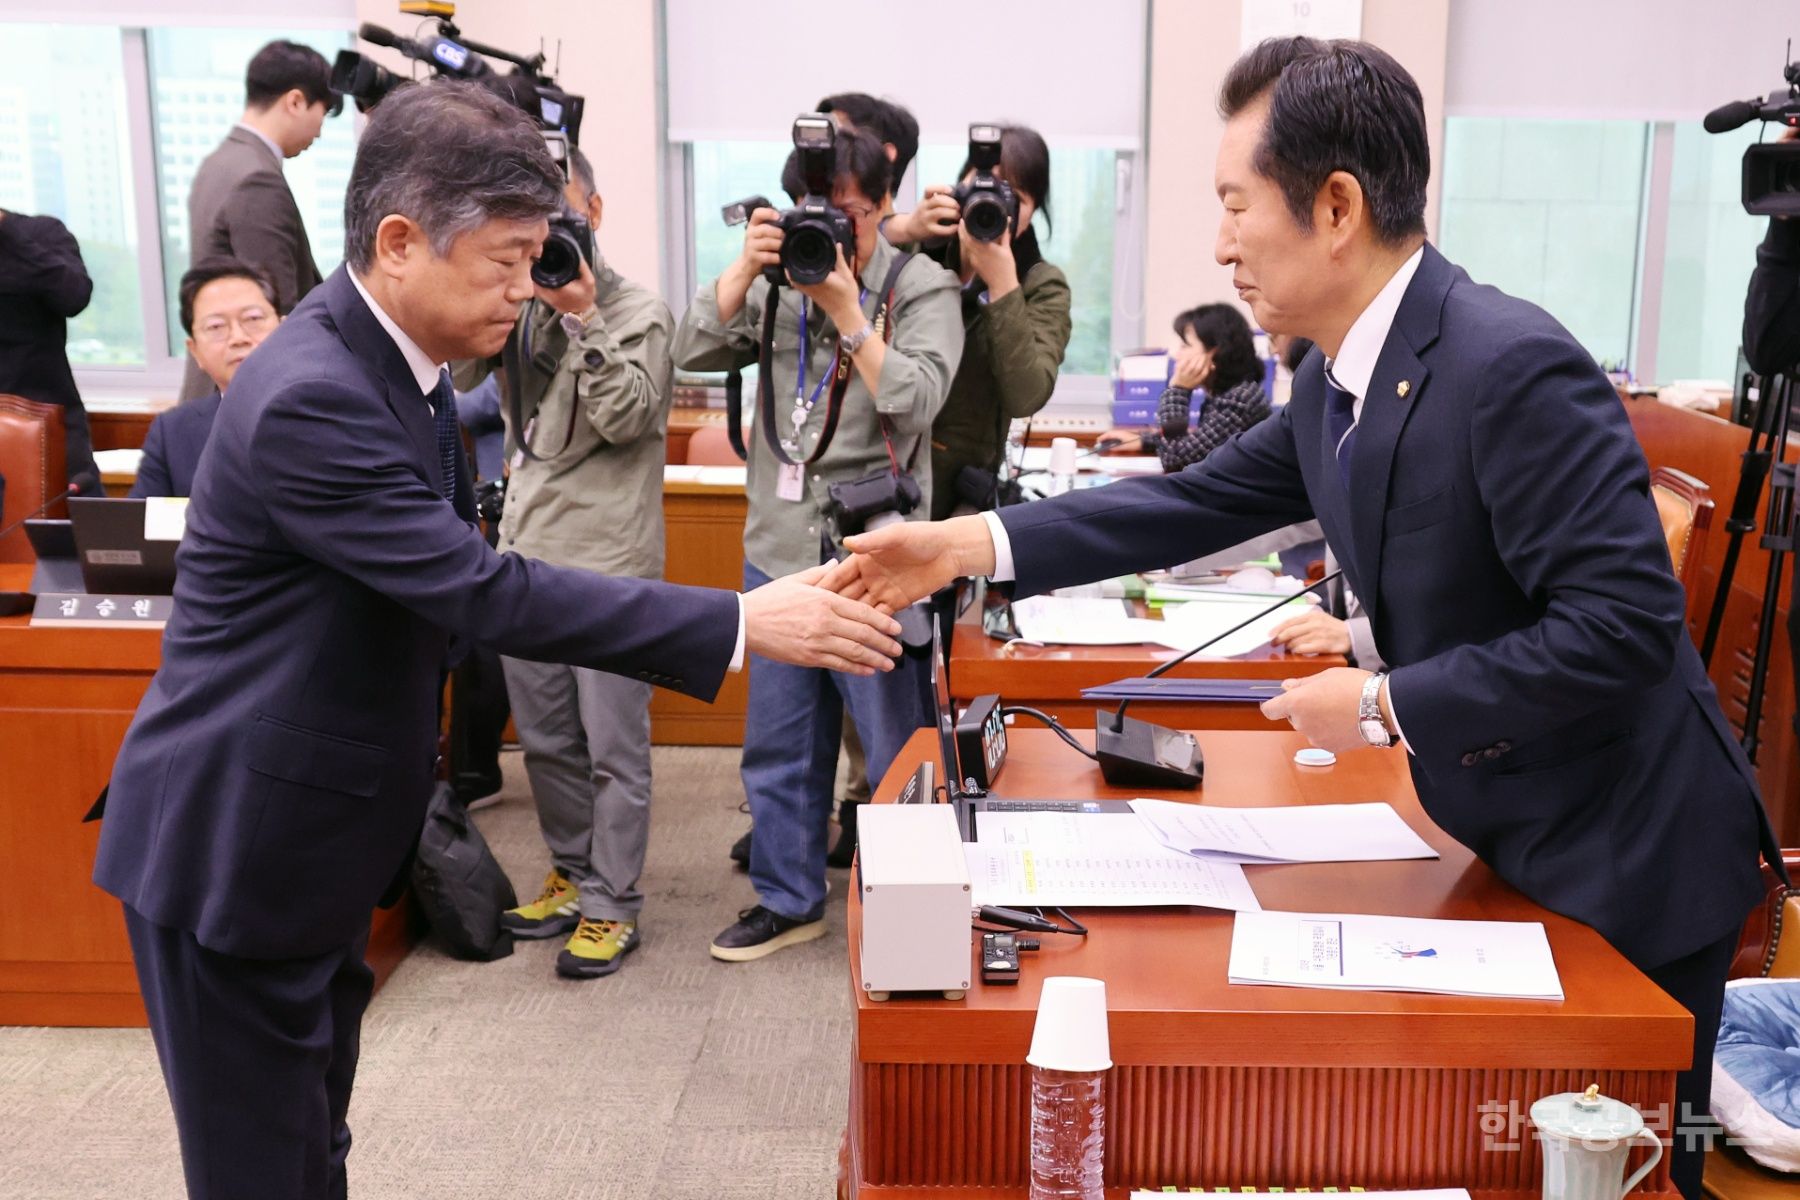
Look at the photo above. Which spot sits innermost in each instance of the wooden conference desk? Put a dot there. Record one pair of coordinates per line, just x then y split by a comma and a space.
66, 698
1222, 1086
1051, 678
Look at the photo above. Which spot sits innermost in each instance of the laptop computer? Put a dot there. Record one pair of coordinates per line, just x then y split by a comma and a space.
960, 791
115, 556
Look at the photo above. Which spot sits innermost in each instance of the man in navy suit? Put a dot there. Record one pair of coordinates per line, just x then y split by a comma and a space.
1477, 478
226, 309
271, 787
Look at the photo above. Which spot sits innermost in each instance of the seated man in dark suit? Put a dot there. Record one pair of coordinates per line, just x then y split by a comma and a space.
1478, 479
227, 309
274, 780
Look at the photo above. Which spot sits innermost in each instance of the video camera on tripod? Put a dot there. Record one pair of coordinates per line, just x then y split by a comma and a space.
1771, 169
527, 86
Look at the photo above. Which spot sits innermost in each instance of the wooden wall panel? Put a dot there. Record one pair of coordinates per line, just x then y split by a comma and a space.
967, 1126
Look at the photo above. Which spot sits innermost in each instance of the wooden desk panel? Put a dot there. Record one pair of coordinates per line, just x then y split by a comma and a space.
1218, 1085
705, 536
66, 699
1051, 678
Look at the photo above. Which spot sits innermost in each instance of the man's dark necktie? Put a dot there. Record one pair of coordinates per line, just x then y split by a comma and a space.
449, 437
1340, 421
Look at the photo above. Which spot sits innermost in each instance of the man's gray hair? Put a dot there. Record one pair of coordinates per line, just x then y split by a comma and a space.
583, 169
450, 157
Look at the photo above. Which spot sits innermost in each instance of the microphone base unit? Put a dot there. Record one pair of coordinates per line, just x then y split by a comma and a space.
1138, 754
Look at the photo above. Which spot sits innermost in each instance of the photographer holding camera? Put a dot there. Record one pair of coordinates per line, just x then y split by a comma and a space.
586, 407
857, 343
1015, 305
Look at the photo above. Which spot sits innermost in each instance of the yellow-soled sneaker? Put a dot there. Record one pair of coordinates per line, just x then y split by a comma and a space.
554, 911
597, 948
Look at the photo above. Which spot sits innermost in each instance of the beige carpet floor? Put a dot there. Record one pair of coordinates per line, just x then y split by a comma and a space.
679, 1078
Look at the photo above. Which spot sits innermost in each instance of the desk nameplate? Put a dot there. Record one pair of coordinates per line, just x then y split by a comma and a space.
81, 610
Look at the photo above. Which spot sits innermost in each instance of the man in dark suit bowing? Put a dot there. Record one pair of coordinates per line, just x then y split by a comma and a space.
1477, 478
227, 308
275, 777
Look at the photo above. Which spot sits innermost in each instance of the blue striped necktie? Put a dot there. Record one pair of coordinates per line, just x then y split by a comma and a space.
1340, 420
449, 438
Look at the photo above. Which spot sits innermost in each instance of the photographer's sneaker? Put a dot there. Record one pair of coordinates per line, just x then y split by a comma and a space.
556, 910
597, 948
759, 933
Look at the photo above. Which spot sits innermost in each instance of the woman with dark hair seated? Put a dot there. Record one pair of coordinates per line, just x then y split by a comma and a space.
1217, 354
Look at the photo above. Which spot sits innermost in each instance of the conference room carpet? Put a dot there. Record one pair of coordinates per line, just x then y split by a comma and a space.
679, 1078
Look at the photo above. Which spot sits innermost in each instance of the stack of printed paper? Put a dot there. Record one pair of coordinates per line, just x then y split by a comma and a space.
1293, 834
1394, 954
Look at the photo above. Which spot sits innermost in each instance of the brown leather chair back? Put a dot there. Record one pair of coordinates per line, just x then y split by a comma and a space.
710, 446
32, 463
1685, 507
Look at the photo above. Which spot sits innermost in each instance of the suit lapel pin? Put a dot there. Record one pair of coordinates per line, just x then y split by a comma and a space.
1402, 388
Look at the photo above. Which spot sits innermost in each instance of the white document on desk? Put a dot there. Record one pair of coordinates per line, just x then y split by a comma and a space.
1354, 952
1081, 621
1198, 621
1291, 834
1092, 876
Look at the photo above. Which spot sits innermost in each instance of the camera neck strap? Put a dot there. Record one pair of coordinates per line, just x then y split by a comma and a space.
519, 353
765, 388
884, 328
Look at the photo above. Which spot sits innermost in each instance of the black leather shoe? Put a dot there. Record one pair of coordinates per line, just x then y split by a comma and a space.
759, 933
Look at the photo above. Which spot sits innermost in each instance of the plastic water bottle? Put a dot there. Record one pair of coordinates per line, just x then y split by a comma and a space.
1070, 1055
1068, 1134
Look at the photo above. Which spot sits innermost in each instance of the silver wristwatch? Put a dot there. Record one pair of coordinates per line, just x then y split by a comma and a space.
852, 342
1369, 721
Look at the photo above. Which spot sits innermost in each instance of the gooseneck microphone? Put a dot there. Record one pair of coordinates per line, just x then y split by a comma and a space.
1139, 754
85, 483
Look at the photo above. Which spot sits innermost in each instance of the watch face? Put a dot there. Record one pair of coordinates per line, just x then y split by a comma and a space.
1375, 733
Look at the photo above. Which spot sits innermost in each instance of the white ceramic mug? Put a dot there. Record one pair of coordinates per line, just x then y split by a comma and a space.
1581, 1170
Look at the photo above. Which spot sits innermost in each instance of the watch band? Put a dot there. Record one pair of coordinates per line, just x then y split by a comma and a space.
574, 324
1369, 721
852, 342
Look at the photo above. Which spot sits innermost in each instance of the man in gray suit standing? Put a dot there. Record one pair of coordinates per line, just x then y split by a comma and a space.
239, 205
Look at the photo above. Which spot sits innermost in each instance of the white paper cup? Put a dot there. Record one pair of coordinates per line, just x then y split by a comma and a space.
1062, 456
1070, 1034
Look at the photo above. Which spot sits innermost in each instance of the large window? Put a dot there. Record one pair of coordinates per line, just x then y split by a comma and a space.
197, 86
103, 127
1551, 211
1710, 251
1078, 238
64, 153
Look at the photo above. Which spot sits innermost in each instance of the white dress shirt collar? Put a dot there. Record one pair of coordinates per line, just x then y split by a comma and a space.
1354, 365
424, 370
266, 140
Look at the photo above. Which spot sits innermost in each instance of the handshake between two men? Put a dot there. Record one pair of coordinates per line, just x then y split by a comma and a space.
902, 563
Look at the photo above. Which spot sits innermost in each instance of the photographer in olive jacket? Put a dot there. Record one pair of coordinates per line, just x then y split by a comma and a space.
876, 347
1015, 310
589, 362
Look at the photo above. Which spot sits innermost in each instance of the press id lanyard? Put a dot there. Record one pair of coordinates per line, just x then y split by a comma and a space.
803, 403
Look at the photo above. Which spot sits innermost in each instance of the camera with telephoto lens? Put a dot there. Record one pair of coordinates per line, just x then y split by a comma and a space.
570, 241
989, 205
863, 505
1771, 169
813, 230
